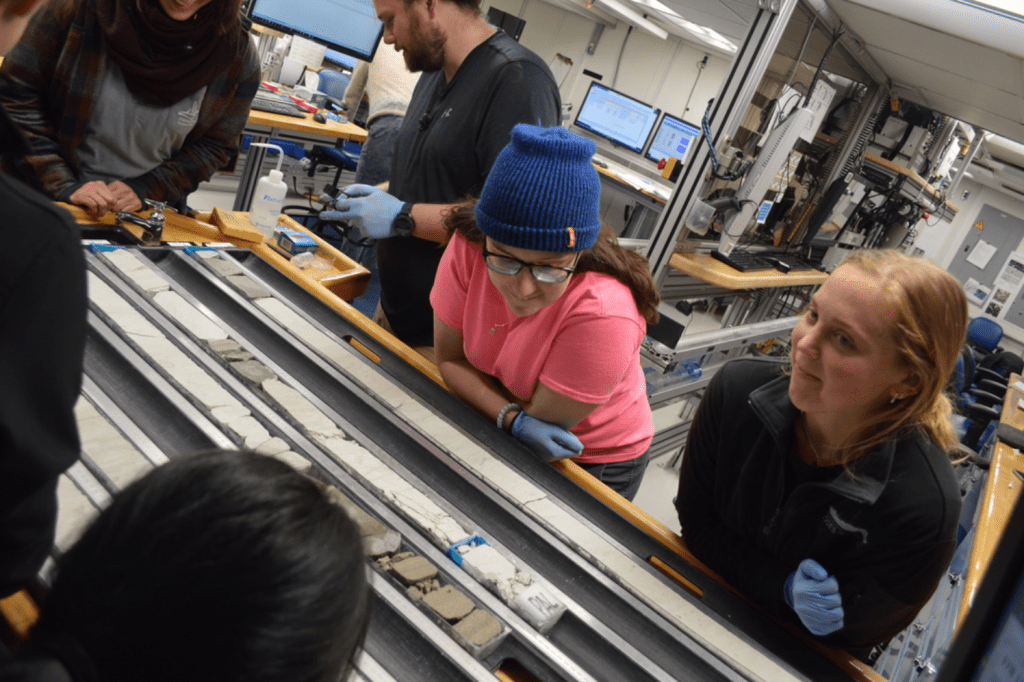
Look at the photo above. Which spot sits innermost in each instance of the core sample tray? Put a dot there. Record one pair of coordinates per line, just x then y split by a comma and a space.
195, 348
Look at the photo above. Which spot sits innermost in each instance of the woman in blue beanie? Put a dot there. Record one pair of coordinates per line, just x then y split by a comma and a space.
539, 313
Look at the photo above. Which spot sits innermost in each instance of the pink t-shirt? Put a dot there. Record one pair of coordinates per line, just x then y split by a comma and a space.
585, 345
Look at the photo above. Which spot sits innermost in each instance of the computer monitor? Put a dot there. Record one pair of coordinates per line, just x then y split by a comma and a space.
340, 59
509, 23
349, 26
987, 647
624, 121
672, 139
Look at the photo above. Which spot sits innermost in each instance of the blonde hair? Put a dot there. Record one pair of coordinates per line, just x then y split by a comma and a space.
930, 325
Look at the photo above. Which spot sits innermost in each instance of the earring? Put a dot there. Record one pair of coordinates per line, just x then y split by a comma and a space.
895, 398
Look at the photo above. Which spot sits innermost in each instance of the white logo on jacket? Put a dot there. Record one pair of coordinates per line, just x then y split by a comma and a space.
189, 116
838, 526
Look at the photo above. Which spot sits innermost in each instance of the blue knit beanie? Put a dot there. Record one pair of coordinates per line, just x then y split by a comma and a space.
542, 193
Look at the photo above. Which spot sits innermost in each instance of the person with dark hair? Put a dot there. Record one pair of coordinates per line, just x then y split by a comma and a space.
825, 492
539, 313
477, 84
42, 340
125, 100
218, 567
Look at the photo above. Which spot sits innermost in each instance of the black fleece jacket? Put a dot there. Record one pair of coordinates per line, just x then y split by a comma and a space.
752, 511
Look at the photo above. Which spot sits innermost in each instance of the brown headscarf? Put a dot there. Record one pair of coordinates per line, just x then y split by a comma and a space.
165, 60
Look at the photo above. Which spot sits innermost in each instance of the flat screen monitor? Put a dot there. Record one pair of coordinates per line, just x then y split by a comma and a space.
672, 139
348, 26
340, 59
619, 118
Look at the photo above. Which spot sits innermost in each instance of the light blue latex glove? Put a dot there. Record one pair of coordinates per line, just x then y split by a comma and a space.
814, 595
547, 440
368, 208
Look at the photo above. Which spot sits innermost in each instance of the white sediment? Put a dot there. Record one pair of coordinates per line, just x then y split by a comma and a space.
308, 415
630, 571
74, 512
119, 459
188, 317
138, 269
178, 367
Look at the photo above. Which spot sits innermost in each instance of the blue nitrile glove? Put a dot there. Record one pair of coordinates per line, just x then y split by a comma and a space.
547, 440
368, 208
814, 595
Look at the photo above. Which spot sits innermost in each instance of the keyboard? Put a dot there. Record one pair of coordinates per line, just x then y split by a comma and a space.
278, 105
801, 264
742, 261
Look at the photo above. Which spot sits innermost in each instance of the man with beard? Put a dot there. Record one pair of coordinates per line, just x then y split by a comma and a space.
477, 85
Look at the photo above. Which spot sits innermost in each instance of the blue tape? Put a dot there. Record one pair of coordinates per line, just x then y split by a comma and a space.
104, 248
192, 248
472, 541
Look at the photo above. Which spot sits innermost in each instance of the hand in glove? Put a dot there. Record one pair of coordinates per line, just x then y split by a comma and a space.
814, 595
368, 208
548, 440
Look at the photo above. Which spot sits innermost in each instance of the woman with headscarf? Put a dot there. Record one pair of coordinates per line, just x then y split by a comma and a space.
125, 100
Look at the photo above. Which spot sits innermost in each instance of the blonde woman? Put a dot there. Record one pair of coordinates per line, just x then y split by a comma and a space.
826, 493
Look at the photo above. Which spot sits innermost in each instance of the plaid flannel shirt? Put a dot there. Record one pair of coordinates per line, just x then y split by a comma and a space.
49, 84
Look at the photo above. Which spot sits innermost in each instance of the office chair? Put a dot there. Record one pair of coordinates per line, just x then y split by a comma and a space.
983, 335
344, 156
334, 83
999, 365
977, 402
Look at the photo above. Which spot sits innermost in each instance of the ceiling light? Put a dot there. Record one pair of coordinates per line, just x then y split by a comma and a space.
1011, 9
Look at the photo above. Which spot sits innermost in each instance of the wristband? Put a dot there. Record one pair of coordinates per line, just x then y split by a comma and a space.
500, 421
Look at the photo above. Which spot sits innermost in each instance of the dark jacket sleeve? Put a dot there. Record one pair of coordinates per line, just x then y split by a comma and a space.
27, 73
43, 321
706, 482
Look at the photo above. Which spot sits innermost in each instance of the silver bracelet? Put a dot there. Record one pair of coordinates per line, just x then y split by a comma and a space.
500, 421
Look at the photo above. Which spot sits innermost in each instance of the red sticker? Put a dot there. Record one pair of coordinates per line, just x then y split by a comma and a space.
572, 237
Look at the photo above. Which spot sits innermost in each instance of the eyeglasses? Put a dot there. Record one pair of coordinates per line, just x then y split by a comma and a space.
507, 265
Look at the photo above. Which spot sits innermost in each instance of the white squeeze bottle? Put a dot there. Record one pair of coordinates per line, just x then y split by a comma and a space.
268, 199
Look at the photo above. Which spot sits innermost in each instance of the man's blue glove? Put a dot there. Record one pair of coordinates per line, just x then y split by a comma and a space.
814, 595
368, 208
547, 440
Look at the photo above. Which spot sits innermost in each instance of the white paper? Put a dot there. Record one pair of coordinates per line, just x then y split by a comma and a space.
1004, 290
981, 254
309, 52
559, 69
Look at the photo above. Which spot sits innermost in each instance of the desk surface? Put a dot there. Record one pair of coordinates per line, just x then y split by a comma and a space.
705, 268
341, 131
1002, 490
345, 279
614, 175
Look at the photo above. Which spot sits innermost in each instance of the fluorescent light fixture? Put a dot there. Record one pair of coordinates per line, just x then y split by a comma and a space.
1011, 9
702, 33
622, 11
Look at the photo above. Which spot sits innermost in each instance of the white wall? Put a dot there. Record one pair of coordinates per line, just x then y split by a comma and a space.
940, 242
660, 72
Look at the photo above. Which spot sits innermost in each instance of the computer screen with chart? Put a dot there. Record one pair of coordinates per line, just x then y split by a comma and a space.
357, 34
673, 139
624, 121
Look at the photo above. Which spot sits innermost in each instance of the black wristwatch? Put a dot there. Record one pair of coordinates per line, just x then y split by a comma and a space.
404, 223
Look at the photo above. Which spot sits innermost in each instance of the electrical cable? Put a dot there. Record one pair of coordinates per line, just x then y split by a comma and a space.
701, 65
807, 38
836, 35
706, 127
